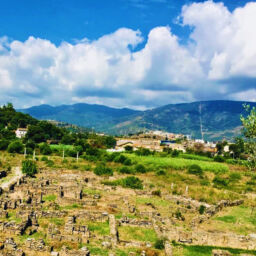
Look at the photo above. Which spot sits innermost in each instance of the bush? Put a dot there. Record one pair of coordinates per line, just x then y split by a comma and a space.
156, 193
132, 182
50, 163
219, 159
125, 170
29, 168
103, 170
127, 161
45, 149
15, 147
44, 158
160, 173
140, 168
159, 244
195, 169
201, 209
120, 159
112, 156
4, 144
234, 176
220, 182
175, 153
143, 152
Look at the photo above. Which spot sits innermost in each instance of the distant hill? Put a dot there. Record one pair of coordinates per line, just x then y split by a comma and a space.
99, 117
217, 119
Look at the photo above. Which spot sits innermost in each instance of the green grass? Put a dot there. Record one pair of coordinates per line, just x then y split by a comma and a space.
61, 147
195, 157
49, 198
100, 228
72, 206
36, 236
137, 233
196, 250
227, 219
155, 162
239, 219
97, 250
156, 201
57, 221
91, 191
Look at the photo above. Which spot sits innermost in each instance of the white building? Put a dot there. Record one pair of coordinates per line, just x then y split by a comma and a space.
21, 132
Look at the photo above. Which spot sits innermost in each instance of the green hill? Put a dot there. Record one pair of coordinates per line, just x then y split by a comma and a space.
218, 118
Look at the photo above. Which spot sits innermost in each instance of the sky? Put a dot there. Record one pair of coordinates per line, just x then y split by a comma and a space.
126, 53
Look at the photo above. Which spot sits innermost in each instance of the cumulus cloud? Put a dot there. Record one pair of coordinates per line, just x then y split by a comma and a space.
218, 61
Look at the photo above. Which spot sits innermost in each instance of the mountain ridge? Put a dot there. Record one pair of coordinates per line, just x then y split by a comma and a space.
218, 118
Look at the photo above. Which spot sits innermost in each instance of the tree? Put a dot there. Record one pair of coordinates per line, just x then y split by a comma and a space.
29, 168
45, 149
249, 132
15, 147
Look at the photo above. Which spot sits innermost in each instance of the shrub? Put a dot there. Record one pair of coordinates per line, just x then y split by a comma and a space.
195, 169
140, 168
50, 163
15, 147
160, 173
201, 209
220, 182
234, 176
219, 158
132, 182
175, 153
126, 170
128, 148
103, 170
29, 168
112, 156
143, 152
45, 149
128, 182
120, 159
159, 244
127, 161
44, 158
156, 193
4, 144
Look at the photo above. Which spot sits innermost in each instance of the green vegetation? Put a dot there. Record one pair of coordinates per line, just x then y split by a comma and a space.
128, 182
29, 168
49, 198
101, 170
138, 233
156, 162
195, 169
100, 228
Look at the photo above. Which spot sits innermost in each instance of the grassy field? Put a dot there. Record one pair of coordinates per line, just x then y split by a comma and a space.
156, 162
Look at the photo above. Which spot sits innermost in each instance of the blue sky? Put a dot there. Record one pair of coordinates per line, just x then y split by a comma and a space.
126, 53
66, 20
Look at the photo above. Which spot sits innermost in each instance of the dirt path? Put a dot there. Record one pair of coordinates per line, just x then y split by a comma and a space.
16, 176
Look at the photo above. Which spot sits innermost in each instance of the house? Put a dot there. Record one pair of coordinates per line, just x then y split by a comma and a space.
21, 132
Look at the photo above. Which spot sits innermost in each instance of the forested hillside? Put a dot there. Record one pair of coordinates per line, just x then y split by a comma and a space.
218, 119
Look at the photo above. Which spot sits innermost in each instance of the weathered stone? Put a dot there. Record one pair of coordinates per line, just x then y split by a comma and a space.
220, 253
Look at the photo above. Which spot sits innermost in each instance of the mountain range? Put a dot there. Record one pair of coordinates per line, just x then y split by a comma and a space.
214, 120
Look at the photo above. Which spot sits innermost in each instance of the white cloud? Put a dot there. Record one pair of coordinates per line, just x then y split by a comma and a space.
219, 61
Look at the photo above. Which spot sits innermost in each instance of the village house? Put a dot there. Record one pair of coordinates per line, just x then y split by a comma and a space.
21, 132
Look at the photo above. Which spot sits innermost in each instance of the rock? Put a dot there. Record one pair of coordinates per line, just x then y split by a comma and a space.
55, 254
220, 253
167, 249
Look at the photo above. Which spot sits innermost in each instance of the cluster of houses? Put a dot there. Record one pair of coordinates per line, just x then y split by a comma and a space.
158, 141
